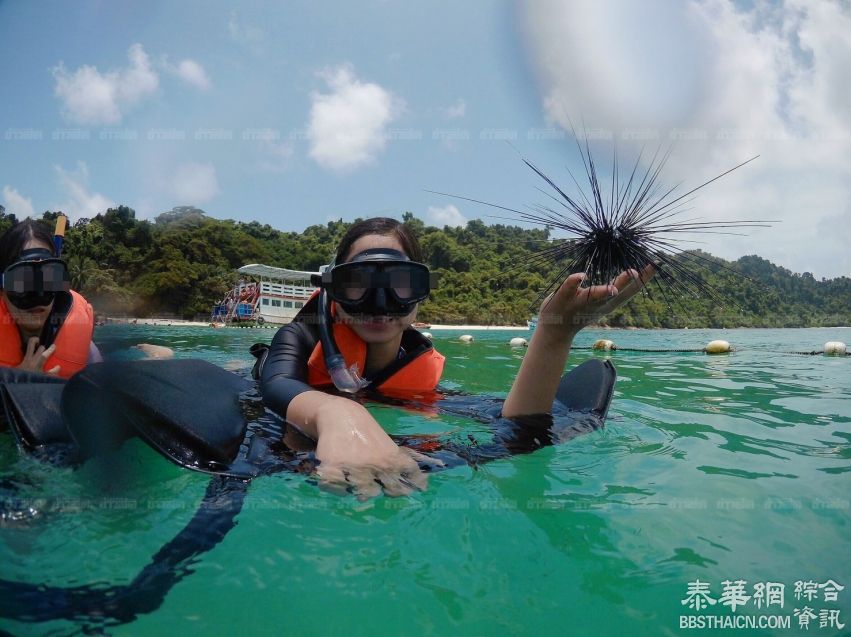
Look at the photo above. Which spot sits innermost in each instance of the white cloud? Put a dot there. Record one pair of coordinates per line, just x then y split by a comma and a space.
277, 156
250, 36
16, 203
80, 201
91, 97
456, 110
446, 216
768, 80
347, 127
195, 183
626, 65
192, 73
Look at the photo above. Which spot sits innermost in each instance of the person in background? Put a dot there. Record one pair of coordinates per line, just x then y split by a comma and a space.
44, 325
364, 339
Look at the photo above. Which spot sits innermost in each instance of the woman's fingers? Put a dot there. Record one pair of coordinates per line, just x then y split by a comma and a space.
632, 280
417, 479
573, 306
421, 458
369, 481
36, 357
571, 284
332, 478
628, 283
368, 487
32, 346
392, 483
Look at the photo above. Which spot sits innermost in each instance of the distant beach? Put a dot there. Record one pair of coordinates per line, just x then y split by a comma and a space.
164, 322
167, 322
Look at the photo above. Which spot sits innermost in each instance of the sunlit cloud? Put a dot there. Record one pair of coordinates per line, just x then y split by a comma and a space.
79, 200
192, 73
456, 110
16, 203
347, 127
89, 96
249, 36
446, 216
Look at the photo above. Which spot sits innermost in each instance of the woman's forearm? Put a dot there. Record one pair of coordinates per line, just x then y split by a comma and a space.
310, 411
535, 386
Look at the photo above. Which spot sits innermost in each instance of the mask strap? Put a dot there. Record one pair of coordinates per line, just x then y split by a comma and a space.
35, 254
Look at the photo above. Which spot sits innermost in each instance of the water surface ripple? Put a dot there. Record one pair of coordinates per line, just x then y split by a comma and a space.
714, 468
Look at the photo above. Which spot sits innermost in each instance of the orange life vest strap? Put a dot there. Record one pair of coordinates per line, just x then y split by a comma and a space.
420, 374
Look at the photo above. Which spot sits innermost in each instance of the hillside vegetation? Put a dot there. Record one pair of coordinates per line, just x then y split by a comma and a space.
184, 261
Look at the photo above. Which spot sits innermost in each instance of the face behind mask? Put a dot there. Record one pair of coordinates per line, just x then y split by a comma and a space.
378, 282
35, 279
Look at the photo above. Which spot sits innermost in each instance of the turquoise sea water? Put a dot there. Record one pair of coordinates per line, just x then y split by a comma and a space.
710, 468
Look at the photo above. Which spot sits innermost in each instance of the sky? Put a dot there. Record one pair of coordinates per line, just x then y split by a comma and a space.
296, 113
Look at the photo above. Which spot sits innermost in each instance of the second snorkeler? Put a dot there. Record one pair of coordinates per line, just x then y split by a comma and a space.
374, 287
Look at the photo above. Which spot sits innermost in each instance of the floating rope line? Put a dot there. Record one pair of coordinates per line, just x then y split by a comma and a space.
816, 353
831, 348
636, 349
700, 351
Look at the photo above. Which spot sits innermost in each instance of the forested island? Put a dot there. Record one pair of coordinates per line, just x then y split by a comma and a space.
184, 261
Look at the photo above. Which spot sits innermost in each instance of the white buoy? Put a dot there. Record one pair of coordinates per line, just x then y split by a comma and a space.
717, 347
428, 335
604, 344
518, 341
835, 348
466, 338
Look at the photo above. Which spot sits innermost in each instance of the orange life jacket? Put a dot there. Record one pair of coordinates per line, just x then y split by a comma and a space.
420, 374
73, 340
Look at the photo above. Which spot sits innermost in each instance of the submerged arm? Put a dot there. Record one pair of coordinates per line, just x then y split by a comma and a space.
353, 450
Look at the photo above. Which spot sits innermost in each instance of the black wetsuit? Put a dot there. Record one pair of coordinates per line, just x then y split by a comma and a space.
282, 367
282, 371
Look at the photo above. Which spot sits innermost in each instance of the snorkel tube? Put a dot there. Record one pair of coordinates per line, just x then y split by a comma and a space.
344, 378
59, 234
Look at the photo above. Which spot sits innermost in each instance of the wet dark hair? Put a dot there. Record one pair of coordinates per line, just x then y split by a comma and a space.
13, 241
382, 226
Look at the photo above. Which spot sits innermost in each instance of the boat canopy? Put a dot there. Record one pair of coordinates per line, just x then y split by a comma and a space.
270, 272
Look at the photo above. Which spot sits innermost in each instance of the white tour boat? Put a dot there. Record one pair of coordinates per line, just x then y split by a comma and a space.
264, 295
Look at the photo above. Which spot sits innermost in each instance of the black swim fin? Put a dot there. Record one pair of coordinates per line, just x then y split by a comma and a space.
581, 405
32, 412
588, 387
31, 408
188, 410
586, 392
582, 402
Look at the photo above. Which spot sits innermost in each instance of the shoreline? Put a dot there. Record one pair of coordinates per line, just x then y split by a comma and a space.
161, 322
165, 322
475, 328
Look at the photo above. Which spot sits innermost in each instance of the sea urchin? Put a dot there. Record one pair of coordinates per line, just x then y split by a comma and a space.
635, 224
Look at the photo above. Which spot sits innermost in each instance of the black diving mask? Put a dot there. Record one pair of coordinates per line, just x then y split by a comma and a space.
35, 279
377, 282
